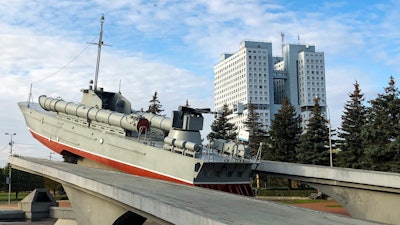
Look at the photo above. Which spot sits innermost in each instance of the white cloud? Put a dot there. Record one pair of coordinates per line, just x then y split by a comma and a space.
30, 58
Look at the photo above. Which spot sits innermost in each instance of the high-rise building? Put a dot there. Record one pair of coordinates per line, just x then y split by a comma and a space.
253, 75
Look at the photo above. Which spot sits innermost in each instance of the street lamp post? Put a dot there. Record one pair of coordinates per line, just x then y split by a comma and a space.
9, 167
51, 153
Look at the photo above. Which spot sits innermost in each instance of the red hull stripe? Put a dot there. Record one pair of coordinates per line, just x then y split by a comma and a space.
236, 188
128, 168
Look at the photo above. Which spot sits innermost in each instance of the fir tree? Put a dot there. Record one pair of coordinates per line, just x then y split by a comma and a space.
221, 128
284, 134
314, 143
350, 140
255, 128
382, 131
155, 106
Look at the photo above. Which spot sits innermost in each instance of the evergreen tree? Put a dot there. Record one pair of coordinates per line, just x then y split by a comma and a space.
314, 143
351, 141
382, 131
155, 106
3, 177
284, 134
221, 128
23, 181
255, 128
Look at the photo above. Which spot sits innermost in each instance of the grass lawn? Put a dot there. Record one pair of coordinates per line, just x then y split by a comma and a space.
300, 201
287, 194
4, 197
282, 192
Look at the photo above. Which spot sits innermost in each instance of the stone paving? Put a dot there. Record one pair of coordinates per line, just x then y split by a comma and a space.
14, 206
36, 222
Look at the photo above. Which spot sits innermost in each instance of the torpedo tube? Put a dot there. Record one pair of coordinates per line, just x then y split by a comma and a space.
131, 122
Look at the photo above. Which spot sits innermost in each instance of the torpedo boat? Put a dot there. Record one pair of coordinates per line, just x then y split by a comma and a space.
103, 128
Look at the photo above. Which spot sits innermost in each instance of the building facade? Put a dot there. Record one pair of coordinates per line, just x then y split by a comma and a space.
253, 75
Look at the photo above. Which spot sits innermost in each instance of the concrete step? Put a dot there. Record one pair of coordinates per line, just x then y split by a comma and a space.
11, 214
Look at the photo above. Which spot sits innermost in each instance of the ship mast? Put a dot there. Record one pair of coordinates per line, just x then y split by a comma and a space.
99, 44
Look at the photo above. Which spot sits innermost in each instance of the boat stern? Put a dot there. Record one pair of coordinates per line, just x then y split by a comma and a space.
232, 177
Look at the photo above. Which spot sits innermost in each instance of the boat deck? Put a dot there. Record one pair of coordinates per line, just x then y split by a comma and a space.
153, 138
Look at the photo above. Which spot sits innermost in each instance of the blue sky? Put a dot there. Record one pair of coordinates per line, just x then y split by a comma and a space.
171, 47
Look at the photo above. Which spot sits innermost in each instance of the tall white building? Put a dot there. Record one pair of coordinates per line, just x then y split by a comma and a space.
253, 75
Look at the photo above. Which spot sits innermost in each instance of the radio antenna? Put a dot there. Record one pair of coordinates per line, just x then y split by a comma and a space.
99, 44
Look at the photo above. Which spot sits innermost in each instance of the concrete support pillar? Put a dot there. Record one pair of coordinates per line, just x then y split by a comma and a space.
365, 204
90, 209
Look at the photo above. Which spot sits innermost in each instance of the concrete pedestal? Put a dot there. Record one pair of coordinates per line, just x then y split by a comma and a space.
37, 204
